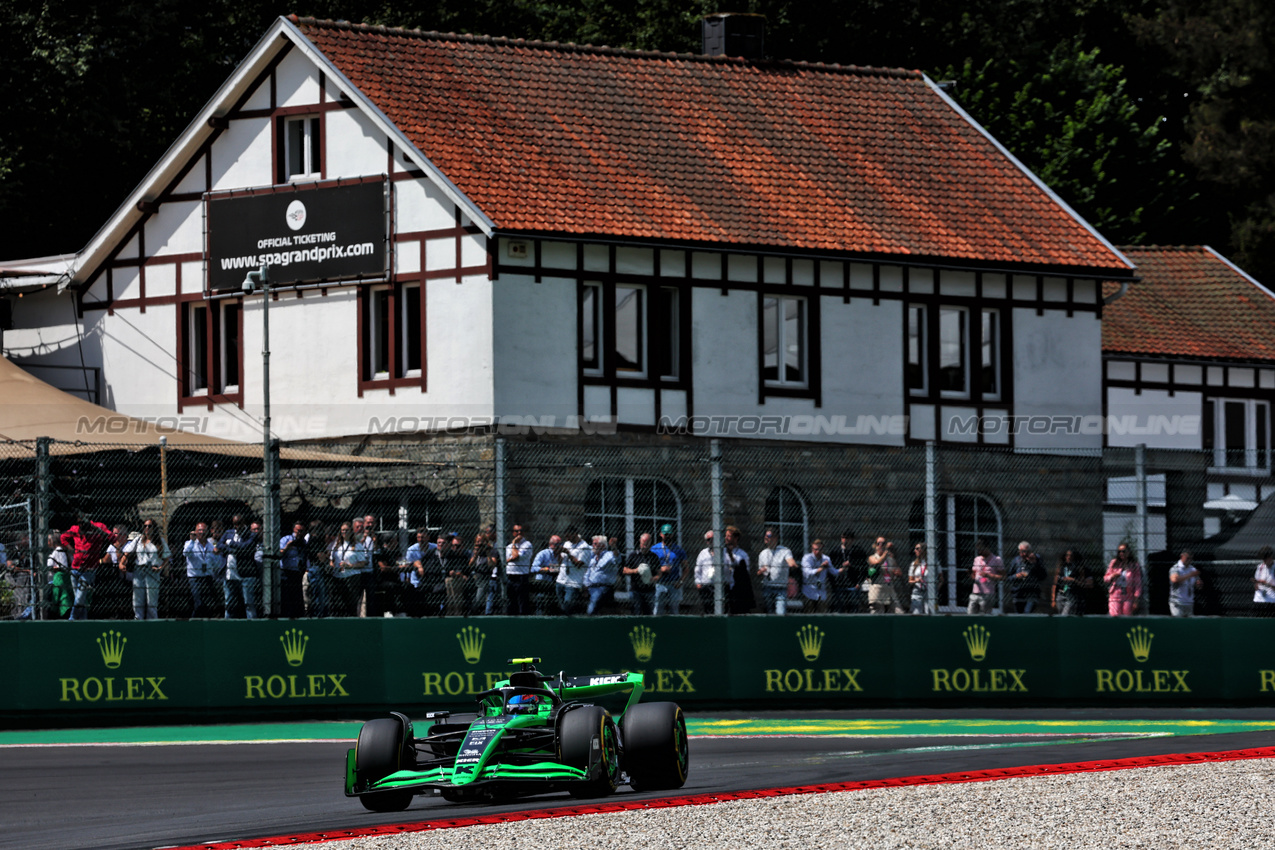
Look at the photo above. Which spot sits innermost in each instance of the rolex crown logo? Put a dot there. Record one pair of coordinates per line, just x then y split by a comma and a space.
643, 640
471, 643
976, 640
1140, 642
294, 642
111, 645
810, 638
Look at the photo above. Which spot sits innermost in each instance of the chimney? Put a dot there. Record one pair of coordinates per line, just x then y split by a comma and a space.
742, 35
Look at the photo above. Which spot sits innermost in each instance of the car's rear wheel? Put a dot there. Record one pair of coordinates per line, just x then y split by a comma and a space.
380, 751
588, 740
656, 753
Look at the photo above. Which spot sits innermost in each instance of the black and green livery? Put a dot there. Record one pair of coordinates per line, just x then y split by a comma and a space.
531, 734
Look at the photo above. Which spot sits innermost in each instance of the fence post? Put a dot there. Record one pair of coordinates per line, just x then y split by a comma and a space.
719, 559
501, 518
931, 529
270, 560
1140, 502
42, 510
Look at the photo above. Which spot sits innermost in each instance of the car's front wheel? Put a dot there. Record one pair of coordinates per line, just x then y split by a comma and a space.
588, 740
380, 751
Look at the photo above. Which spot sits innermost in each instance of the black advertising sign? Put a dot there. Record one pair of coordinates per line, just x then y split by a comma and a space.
303, 234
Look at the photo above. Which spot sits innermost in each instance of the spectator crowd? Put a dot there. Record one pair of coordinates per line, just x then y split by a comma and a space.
356, 568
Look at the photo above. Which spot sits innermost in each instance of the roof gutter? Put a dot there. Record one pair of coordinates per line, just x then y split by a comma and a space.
1118, 294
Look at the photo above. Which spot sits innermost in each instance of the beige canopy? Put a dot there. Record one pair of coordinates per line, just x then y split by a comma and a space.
31, 408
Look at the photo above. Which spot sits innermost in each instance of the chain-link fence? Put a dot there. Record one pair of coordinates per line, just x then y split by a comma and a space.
423, 527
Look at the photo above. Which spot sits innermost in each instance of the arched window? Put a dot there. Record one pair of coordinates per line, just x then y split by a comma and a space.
626, 508
961, 519
786, 512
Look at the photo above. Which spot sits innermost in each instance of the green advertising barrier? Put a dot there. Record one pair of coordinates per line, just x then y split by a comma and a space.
114, 671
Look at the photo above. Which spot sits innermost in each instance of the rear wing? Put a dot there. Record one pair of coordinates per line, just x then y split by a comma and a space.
575, 688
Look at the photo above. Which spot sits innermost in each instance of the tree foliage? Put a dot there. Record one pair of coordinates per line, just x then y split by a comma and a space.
1220, 54
1073, 122
1152, 118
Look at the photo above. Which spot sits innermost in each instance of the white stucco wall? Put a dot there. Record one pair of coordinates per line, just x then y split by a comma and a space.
353, 145
1155, 419
533, 331
1057, 368
862, 371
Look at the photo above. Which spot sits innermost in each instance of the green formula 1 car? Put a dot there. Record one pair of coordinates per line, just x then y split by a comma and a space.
531, 734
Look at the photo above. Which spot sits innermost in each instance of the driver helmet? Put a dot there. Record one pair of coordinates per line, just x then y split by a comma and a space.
524, 703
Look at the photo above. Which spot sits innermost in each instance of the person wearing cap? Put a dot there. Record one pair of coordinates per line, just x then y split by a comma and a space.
640, 568
669, 579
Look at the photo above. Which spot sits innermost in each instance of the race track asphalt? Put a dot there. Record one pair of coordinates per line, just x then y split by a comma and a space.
117, 789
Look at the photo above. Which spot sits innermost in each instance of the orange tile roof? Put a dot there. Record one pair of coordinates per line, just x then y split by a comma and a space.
1191, 302
576, 140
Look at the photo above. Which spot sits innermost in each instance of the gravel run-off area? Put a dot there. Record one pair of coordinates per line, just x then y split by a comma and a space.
1211, 805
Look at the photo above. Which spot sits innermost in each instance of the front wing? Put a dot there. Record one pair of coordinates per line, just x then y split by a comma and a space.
541, 776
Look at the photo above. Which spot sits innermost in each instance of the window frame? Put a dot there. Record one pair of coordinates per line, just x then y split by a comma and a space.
781, 381
311, 166
1257, 434
661, 356
596, 521
964, 346
950, 538
920, 365
919, 383
210, 339
385, 316
786, 526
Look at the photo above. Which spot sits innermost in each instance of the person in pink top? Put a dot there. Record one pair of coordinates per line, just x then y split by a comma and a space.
1124, 583
988, 569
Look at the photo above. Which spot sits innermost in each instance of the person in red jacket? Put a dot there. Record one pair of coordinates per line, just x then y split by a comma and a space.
87, 541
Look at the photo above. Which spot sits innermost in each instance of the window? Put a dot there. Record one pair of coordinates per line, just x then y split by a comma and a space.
961, 520
301, 149
230, 348
786, 512
1237, 431
916, 371
784, 355
636, 336
989, 359
630, 330
392, 341
197, 350
953, 373
590, 304
625, 508
213, 348
963, 360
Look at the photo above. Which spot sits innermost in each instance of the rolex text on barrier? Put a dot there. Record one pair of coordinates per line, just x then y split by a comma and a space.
462, 664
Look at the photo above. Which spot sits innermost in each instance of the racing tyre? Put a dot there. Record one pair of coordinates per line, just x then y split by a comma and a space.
656, 755
588, 740
381, 750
